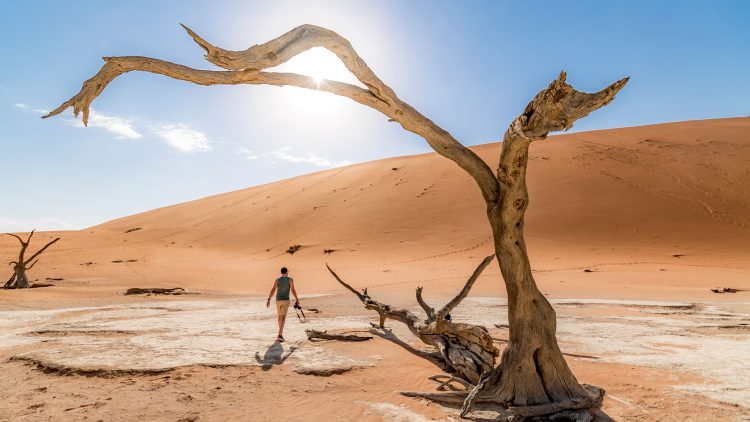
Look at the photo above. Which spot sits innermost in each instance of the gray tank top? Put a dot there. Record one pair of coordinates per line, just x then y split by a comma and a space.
282, 291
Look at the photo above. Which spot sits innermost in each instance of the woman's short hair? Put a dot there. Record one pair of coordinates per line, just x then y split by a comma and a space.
284, 270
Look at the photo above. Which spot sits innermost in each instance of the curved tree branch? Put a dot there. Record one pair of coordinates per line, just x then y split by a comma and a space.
384, 311
245, 68
554, 108
465, 291
558, 106
300, 39
116, 66
39, 252
362, 297
427, 308
16, 236
24, 245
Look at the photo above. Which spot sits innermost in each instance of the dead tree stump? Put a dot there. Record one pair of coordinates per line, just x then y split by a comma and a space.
467, 350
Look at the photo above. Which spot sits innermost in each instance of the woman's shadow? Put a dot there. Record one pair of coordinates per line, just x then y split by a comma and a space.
274, 356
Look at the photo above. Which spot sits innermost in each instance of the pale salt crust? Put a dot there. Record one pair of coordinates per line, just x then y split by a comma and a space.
694, 340
673, 335
161, 335
312, 359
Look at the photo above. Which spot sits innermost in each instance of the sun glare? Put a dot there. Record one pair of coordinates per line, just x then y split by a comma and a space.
320, 64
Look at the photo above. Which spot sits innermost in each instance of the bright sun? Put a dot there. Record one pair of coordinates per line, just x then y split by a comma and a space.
312, 108
320, 64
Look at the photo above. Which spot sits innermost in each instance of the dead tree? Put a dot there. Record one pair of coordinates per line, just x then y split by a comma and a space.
19, 280
323, 335
466, 349
532, 371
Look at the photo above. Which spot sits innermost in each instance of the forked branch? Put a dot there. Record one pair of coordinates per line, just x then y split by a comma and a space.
19, 238
465, 291
557, 107
298, 40
427, 308
19, 278
39, 252
466, 349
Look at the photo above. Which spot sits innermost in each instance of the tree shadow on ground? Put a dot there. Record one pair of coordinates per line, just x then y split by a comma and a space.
273, 356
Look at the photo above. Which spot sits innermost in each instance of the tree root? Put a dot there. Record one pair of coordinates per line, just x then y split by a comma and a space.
446, 380
576, 403
577, 409
453, 397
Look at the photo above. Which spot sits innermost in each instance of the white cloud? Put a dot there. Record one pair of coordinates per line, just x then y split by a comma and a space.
182, 138
246, 153
117, 125
311, 158
26, 107
9, 225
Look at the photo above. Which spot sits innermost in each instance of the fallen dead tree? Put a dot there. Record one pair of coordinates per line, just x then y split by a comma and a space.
323, 335
19, 279
155, 291
725, 290
466, 349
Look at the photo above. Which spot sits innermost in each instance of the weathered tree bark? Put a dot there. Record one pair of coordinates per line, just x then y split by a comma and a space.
466, 349
155, 291
19, 280
323, 335
532, 371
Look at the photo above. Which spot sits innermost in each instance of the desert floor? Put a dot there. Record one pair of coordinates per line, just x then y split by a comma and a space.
214, 358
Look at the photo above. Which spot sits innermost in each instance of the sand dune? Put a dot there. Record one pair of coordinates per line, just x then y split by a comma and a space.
657, 210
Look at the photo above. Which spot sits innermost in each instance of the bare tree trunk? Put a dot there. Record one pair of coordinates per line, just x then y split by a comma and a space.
22, 281
19, 280
533, 371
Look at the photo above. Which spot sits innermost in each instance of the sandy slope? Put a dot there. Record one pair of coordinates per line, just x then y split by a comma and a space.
654, 211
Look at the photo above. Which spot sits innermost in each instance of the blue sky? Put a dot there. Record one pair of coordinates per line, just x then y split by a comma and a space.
469, 66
